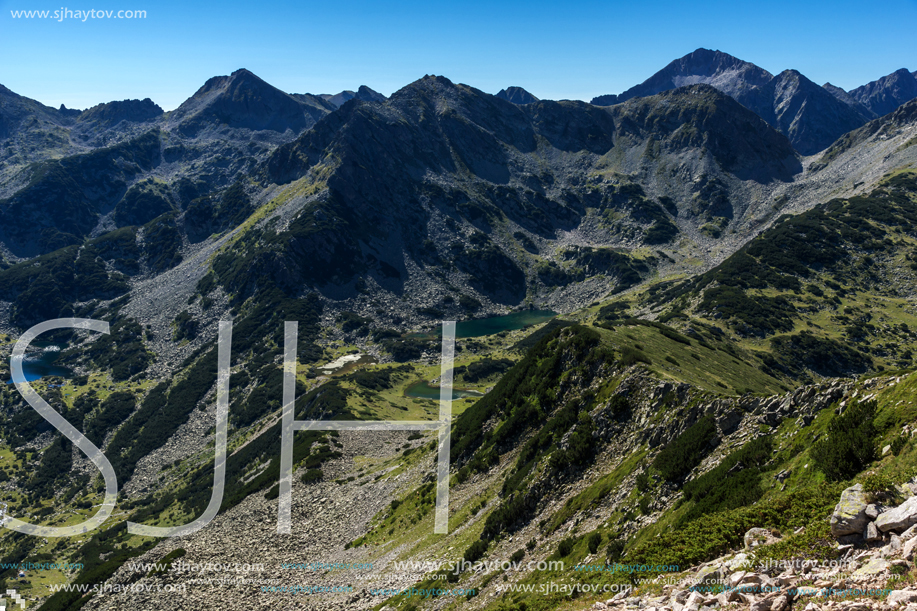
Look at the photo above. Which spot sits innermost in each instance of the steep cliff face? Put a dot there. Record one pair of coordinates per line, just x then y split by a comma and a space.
810, 116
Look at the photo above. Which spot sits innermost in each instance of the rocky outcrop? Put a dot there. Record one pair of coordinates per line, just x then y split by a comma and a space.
849, 515
900, 518
858, 580
112, 113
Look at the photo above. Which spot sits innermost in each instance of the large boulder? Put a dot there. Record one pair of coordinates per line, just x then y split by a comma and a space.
874, 566
901, 597
709, 579
849, 515
908, 549
901, 517
756, 537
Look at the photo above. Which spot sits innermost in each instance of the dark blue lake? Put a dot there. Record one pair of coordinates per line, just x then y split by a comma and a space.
479, 327
423, 390
38, 365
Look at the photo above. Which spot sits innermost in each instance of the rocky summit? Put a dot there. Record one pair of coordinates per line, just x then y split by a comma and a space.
812, 117
516, 95
682, 374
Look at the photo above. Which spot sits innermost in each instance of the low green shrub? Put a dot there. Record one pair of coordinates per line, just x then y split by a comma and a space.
850, 443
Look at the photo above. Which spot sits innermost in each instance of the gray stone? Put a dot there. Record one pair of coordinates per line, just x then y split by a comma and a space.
908, 549
901, 517
696, 599
871, 533
875, 566
758, 536
901, 597
849, 515
737, 562
872, 512
709, 577
729, 421
735, 579
780, 603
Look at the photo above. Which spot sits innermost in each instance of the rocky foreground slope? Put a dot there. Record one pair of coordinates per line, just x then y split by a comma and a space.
374, 495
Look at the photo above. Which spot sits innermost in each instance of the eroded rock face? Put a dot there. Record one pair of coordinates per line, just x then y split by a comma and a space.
901, 517
849, 515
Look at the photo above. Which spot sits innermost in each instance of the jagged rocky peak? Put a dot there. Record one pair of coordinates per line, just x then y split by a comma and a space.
884, 95
241, 100
69, 112
112, 113
729, 74
810, 116
844, 96
364, 94
516, 95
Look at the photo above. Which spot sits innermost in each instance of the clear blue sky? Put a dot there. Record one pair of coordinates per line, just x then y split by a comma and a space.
573, 50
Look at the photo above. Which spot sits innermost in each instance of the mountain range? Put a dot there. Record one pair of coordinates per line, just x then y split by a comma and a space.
812, 117
727, 259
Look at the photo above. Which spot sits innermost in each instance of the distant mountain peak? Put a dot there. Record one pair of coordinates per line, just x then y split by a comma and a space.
112, 113
811, 116
727, 73
516, 95
884, 95
363, 93
241, 100
849, 100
